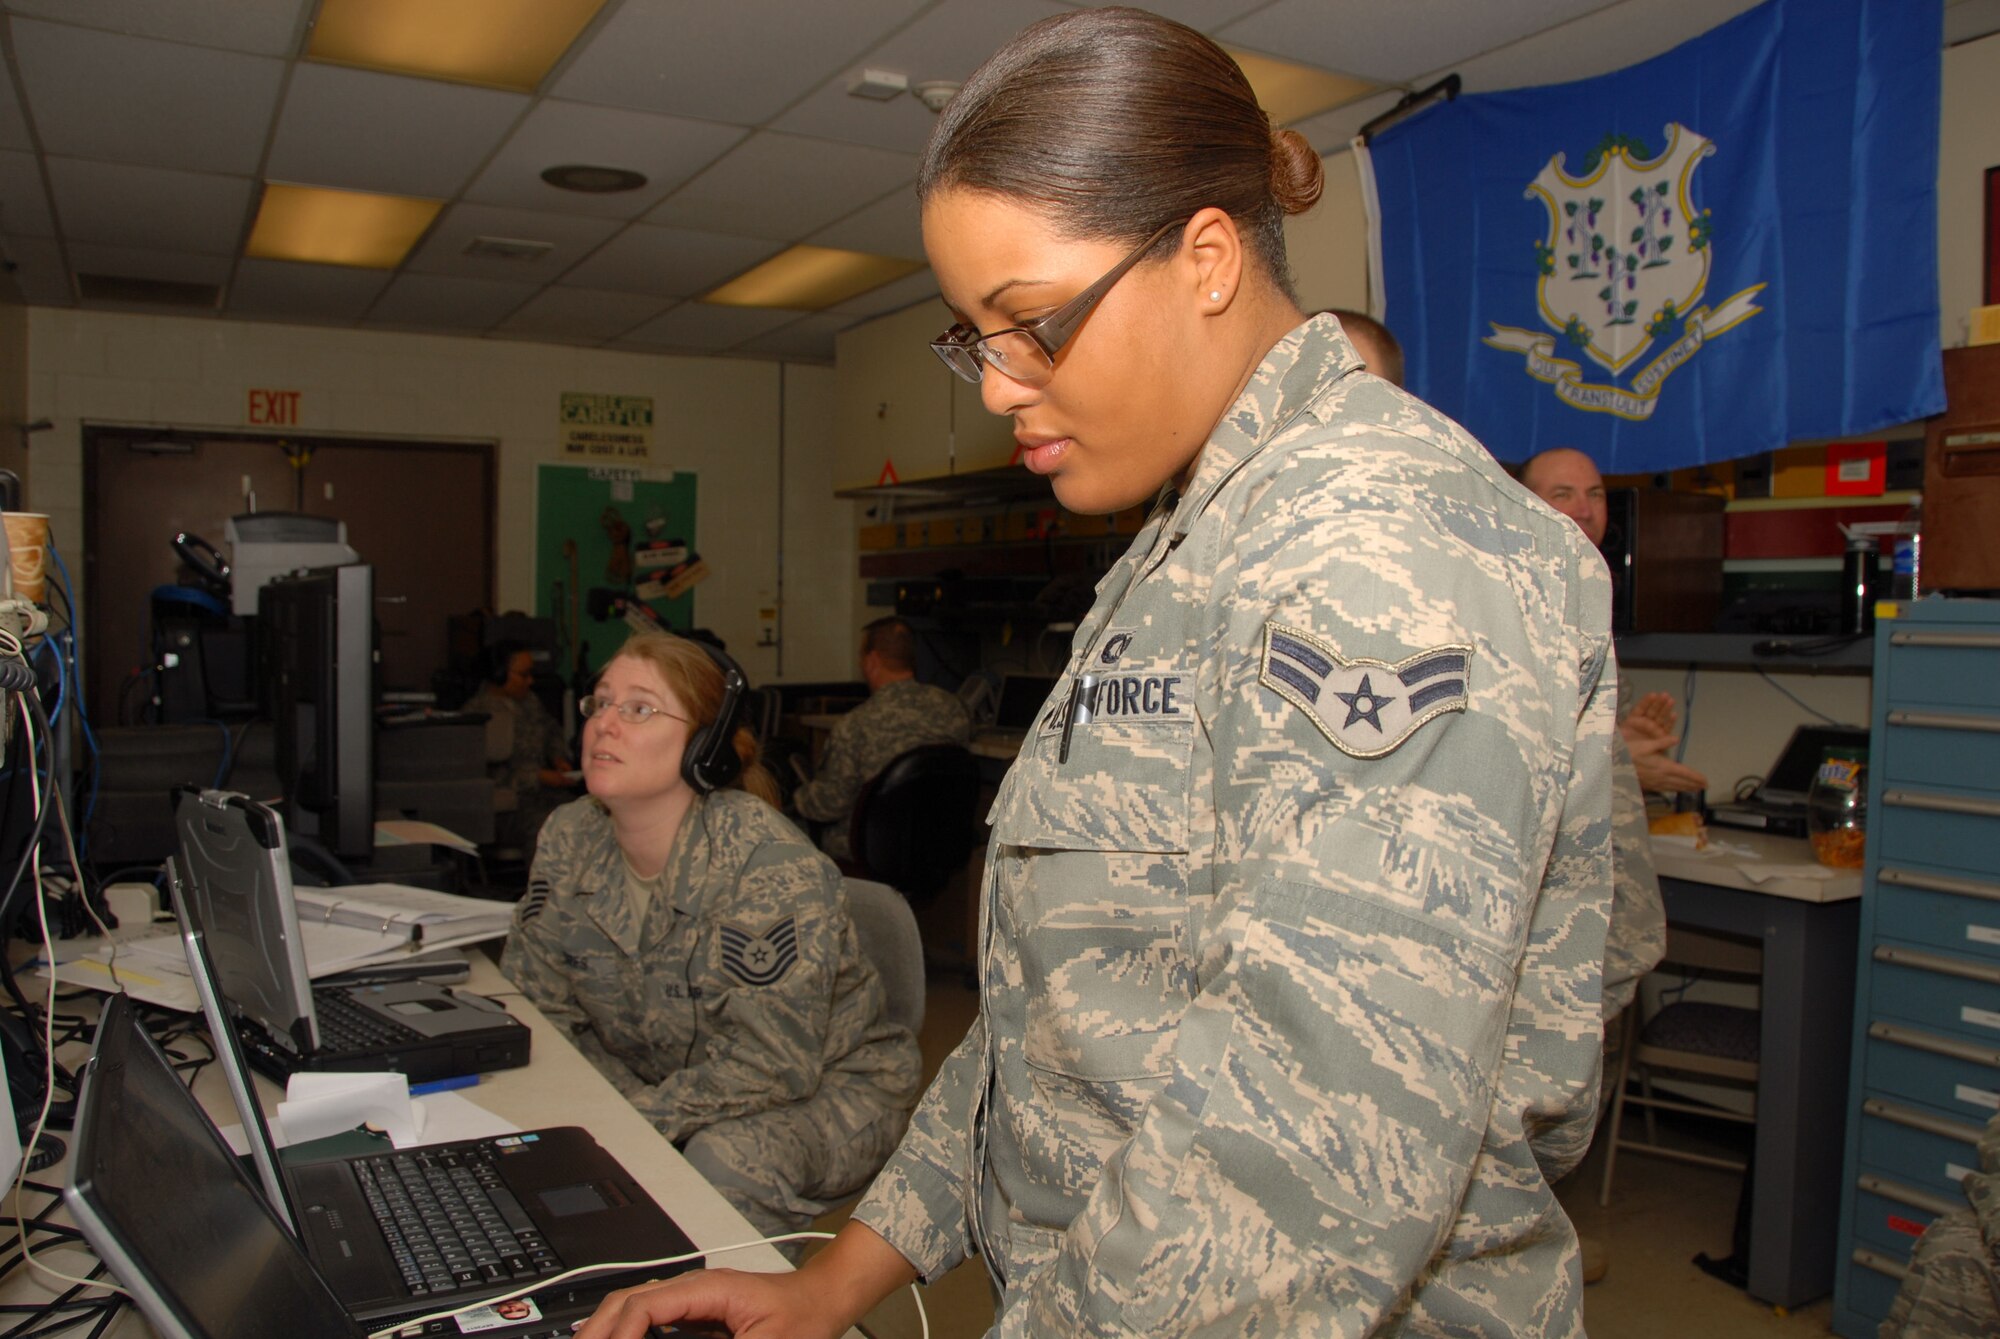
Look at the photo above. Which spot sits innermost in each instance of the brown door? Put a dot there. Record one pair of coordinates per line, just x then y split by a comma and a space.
421, 513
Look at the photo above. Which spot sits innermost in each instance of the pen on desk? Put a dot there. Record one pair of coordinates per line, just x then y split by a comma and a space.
443, 1085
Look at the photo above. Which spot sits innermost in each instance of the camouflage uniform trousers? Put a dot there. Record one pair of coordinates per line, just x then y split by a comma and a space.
781, 1169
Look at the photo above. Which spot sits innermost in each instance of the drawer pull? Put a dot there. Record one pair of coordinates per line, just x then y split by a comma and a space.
1922, 1120
1924, 1041
1943, 804
1902, 1194
1940, 883
1975, 641
1880, 1263
1938, 962
1945, 720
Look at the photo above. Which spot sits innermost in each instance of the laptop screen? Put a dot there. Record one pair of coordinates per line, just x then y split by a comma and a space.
1792, 776
165, 1204
1021, 697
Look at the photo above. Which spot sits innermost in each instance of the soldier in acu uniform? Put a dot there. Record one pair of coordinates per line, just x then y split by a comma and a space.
698, 950
1294, 914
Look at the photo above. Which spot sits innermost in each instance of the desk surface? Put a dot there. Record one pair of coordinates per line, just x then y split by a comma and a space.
557, 1087
1749, 861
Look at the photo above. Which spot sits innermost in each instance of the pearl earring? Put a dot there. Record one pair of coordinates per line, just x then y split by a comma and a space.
1215, 295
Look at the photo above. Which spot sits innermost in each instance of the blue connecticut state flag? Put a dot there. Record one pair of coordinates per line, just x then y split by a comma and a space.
1727, 248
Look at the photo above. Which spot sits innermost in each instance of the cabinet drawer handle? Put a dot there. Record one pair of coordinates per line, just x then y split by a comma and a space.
1902, 1194
1924, 1041
1938, 962
1943, 804
1922, 1120
1976, 641
1940, 883
1946, 720
1880, 1263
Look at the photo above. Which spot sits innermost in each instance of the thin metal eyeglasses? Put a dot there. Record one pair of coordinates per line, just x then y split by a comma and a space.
1027, 352
632, 713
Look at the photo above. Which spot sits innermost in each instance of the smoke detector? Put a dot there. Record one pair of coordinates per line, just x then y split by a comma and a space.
936, 93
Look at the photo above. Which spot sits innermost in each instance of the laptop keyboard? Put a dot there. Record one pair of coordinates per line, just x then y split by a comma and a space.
345, 1026
450, 1222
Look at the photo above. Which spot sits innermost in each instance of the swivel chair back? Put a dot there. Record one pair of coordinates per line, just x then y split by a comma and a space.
917, 820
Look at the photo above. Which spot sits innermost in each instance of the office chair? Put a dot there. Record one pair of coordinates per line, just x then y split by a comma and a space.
916, 820
887, 929
1695, 1038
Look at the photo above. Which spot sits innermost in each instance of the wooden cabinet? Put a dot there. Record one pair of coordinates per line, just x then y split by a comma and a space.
899, 413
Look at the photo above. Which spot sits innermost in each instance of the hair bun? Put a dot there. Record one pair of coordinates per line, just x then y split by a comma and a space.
1297, 173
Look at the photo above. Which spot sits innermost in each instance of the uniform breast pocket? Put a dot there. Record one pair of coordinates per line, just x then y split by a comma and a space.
1096, 890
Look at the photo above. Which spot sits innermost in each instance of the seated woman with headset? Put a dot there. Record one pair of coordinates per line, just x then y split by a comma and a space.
698, 949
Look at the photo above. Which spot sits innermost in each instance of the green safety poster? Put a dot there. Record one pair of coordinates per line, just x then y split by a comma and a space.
614, 550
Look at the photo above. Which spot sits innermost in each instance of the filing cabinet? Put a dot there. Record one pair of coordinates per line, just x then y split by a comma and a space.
1926, 1068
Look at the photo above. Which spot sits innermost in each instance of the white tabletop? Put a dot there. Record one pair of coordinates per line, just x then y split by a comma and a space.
1757, 862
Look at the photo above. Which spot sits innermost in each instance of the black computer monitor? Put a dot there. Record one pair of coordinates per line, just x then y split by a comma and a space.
317, 631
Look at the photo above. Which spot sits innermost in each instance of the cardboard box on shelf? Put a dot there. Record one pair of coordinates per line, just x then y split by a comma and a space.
874, 537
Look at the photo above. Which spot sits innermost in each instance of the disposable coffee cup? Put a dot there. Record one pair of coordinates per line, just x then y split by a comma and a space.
28, 554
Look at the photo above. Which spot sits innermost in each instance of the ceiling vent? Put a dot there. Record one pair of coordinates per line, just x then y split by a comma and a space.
508, 248
150, 292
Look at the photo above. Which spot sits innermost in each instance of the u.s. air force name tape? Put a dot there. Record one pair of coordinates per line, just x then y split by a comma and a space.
1367, 707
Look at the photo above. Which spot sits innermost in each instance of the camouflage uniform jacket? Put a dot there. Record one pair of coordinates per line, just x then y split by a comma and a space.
896, 717
744, 990
538, 740
1292, 942
1637, 938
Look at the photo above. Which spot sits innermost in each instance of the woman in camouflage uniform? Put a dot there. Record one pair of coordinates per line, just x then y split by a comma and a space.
1294, 914
698, 950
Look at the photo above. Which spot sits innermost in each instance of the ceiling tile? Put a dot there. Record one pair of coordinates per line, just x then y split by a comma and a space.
1597, 43
352, 128
438, 302
905, 292
263, 27
13, 126
754, 57
145, 101
128, 262
24, 205
806, 341
582, 313
666, 149
1387, 43
949, 41
784, 186
287, 290
572, 238
705, 328
1206, 15
39, 272
144, 206
892, 226
668, 262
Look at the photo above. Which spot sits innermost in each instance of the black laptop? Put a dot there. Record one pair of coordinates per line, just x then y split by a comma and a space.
1779, 803
238, 887
159, 1197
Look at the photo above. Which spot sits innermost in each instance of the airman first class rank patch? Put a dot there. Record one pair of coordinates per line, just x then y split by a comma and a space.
761, 958
1366, 707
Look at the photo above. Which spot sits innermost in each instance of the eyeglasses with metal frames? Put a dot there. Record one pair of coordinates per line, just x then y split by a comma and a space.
632, 713
1027, 352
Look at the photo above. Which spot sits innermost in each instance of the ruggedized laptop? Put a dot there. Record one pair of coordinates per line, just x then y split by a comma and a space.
159, 1197
238, 888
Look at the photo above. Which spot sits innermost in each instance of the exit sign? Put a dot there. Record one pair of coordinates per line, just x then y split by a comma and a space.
277, 408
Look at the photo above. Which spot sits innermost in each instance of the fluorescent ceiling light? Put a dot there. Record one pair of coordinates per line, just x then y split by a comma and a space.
1289, 92
499, 43
327, 227
810, 278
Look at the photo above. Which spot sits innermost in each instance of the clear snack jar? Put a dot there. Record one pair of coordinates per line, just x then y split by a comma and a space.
1837, 808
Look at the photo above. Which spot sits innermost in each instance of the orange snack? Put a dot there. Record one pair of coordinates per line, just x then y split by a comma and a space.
1841, 848
1687, 824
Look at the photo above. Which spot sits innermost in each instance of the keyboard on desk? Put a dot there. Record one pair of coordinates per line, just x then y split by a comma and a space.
346, 1026
449, 1221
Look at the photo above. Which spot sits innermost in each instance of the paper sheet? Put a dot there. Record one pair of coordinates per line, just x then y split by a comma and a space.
448, 1118
317, 1105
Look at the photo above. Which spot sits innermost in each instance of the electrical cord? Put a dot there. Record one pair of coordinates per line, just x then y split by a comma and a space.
1801, 702
620, 1266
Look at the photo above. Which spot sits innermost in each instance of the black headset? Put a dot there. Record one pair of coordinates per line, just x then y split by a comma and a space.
497, 658
710, 761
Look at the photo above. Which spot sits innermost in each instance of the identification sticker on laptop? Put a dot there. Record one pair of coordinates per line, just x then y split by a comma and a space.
499, 1316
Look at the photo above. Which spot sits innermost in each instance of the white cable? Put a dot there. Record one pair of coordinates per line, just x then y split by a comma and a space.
48, 1029
613, 1267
